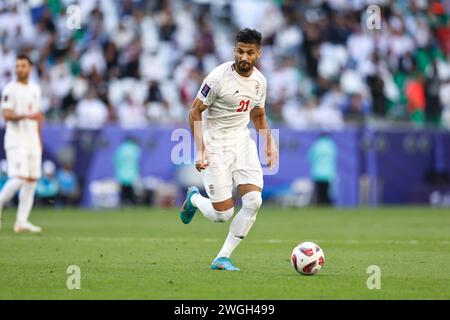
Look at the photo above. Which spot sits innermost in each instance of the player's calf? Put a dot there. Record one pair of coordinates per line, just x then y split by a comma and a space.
242, 223
251, 202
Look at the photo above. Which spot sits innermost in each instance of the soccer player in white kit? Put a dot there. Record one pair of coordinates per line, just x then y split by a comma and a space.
231, 95
21, 104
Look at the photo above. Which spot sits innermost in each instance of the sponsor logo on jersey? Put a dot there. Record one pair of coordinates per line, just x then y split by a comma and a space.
211, 189
205, 90
5, 98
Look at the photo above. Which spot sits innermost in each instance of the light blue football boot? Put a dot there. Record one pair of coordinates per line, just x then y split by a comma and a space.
188, 209
223, 263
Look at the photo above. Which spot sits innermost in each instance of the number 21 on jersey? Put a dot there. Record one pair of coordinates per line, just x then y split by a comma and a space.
243, 106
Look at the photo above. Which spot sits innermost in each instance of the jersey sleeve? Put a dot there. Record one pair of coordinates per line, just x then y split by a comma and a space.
262, 100
39, 99
7, 101
209, 90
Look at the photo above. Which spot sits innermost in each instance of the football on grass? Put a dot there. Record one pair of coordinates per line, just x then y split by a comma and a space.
307, 258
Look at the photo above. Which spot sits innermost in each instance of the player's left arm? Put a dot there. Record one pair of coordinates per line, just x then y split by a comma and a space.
258, 116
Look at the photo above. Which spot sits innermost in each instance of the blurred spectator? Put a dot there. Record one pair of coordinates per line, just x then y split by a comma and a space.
355, 108
69, 190
415, 94
47, 185
93, 60
444, 96
441, 23
167, 26
433, 107
322, 156
170, 45
123, 36
158, 108
376, 87
127, 167
285, 81
131, 114
91, 112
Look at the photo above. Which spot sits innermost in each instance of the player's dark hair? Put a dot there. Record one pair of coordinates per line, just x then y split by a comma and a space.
23, 56
249, 36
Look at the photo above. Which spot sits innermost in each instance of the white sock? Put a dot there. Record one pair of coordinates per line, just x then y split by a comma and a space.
9, 190
205, 206
242, 223
26, 199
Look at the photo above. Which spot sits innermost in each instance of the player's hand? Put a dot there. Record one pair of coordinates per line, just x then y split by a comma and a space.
271, 155
202, 161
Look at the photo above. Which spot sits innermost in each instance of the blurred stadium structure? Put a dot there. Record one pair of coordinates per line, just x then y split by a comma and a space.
135, 66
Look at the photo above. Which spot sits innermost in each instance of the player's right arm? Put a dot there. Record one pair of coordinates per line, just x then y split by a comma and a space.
205, 98
195, 123
8, 105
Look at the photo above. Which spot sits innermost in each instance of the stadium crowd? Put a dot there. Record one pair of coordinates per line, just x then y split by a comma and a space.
136, 62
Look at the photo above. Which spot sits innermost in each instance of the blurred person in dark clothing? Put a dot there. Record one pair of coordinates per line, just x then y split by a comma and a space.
433, 107
355, 108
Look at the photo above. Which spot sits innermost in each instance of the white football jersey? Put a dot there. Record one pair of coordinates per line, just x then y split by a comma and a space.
22, 99
230, 98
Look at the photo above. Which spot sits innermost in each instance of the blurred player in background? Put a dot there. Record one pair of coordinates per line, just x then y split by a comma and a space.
231, 95
21, 104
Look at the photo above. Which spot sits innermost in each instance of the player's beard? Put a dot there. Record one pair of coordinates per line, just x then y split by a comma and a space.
243, 66
22, 77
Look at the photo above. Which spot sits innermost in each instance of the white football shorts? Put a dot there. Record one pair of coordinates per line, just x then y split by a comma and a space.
238, 164
22, 163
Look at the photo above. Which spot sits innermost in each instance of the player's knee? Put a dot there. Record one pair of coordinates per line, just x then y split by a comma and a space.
252, 200
222, 216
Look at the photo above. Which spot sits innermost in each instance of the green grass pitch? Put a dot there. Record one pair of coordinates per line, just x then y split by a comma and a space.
143, 253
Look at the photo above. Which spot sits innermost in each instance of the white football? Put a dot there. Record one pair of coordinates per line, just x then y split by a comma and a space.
307, 258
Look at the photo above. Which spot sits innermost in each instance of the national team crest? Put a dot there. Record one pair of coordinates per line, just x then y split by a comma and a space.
211, 189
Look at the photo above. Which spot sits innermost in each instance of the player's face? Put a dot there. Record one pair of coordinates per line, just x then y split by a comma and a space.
246, 55
23, 68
